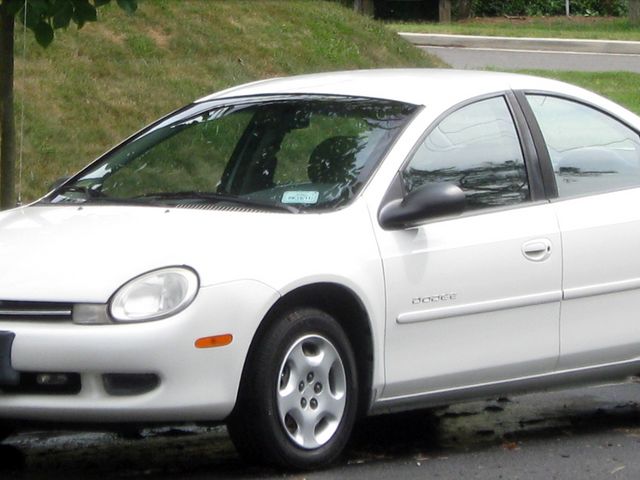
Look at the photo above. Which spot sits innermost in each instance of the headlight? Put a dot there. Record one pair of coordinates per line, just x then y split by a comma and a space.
154, 295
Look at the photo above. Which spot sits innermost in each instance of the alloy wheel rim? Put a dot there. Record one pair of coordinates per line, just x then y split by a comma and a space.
311, 391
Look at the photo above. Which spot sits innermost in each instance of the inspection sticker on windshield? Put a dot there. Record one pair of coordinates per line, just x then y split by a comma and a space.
300, 197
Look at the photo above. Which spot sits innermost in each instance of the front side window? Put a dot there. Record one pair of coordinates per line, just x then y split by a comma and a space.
294, 153
589, 150
476, 148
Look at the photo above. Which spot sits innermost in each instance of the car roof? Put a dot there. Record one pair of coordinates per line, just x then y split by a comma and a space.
416, 86
433, 88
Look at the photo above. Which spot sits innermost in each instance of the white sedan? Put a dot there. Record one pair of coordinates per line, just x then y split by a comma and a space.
288, 255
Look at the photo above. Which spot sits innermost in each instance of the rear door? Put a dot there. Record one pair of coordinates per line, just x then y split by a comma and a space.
596, 165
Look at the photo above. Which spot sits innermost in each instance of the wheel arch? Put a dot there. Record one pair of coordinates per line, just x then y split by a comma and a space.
347, 308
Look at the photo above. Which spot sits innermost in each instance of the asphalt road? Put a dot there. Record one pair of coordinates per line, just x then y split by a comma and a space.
585, 434
525, 59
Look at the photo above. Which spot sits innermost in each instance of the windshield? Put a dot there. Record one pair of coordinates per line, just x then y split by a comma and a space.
293, 153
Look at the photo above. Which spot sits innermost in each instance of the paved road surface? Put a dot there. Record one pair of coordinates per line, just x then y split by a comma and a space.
518, 59
582, 434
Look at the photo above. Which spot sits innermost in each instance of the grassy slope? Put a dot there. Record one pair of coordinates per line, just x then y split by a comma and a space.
559, 27
93, 87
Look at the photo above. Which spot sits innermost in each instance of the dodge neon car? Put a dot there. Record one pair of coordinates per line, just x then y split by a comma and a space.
289, 255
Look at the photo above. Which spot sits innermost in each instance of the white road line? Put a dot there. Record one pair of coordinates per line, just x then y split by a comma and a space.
546, 52
532, 39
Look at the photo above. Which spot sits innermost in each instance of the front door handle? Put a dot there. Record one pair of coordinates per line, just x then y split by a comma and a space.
537, 250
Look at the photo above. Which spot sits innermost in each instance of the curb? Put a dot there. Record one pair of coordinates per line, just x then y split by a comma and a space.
619, 47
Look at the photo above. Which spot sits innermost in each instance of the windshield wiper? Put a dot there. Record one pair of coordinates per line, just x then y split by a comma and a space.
87, 194
215, 198
86, 191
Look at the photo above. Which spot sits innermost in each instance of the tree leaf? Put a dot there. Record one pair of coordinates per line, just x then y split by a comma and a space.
44, 33
39, 7
33, 18
62, 17
14, 7
129, 6
85, 11
100, 3
50, 7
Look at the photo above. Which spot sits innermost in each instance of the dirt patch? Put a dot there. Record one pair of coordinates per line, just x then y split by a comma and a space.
109, 35
160, 38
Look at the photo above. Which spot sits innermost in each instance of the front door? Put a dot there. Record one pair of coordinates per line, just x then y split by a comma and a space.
474, 299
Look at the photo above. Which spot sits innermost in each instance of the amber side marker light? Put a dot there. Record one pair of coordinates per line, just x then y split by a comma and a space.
215, 341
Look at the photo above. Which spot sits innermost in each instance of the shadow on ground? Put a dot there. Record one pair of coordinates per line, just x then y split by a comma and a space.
198, 452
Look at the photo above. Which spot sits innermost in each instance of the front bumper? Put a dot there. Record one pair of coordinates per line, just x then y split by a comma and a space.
194, 384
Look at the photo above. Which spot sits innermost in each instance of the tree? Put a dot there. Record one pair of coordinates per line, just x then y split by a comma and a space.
365, 7
42, 17
464, 9
444, 11
634, 11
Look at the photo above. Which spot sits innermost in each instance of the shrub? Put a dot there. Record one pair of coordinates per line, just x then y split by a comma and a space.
494, 8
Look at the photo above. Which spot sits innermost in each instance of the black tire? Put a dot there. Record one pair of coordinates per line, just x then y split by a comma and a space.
309, 349
5, 432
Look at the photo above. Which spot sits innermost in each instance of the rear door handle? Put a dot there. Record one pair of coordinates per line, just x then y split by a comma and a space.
537, 250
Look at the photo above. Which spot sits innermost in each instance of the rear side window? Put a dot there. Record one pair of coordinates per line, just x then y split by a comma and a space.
589, 150
476, 148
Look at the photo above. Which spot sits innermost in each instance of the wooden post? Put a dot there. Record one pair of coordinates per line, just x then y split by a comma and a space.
444, 11
634, 11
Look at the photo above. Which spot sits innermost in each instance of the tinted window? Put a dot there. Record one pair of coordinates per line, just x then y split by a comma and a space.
297, 152
589, 150
476, 148
192, 157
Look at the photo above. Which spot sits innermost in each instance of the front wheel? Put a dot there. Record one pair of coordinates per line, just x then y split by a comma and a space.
5, 432
298, 399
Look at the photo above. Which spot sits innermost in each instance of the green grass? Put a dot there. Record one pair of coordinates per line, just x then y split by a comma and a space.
558, 27
621, 87
93, 87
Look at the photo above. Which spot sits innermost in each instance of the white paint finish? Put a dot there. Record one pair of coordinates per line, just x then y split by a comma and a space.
66, 245
600, 317
430, 87
537, 250
480, 307
600, 329
601, 289
503, 323
479, 258
196, 384
601, 374
283, 251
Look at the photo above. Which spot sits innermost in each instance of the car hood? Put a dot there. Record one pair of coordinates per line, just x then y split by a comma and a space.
84, 254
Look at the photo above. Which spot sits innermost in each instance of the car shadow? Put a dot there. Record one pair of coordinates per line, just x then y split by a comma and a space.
416, 435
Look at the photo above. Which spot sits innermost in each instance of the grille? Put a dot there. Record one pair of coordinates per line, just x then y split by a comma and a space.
11, 310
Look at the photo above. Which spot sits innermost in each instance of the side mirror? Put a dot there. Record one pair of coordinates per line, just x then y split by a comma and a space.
428, 201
